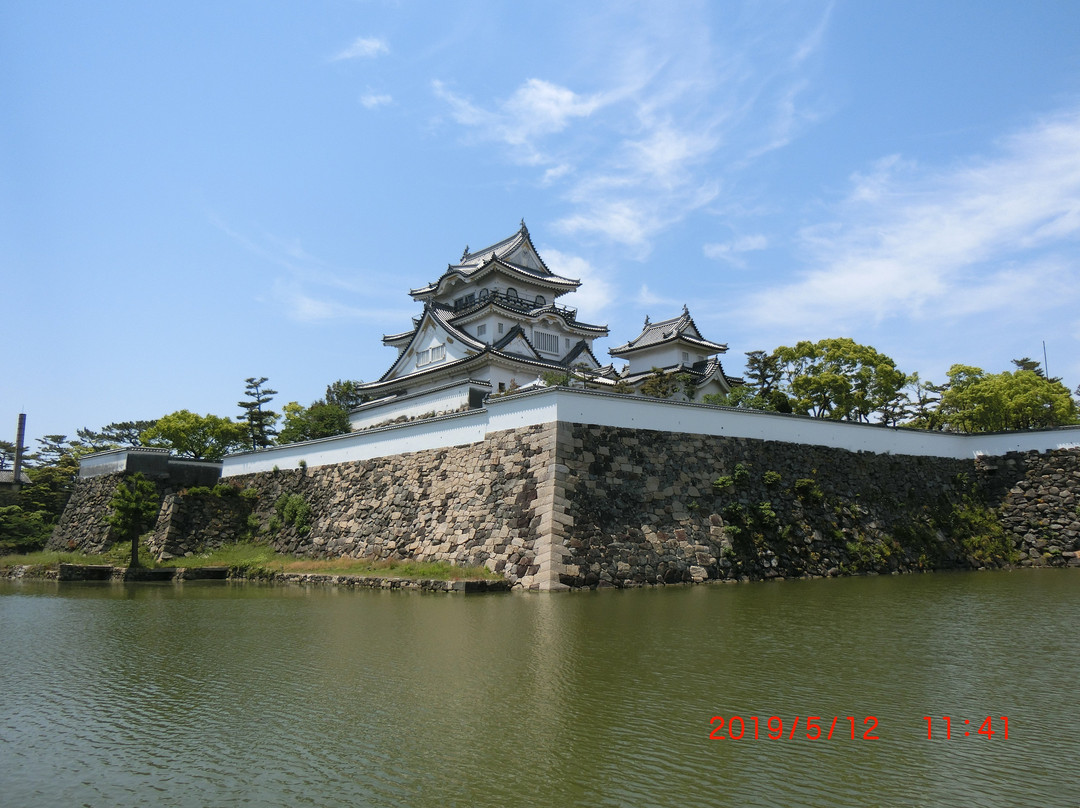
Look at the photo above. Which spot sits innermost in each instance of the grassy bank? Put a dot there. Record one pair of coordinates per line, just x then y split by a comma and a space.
260, 560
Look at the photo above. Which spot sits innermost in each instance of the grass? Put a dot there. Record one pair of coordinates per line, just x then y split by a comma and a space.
262, 560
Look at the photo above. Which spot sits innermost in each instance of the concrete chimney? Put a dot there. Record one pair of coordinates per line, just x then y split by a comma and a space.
20, 436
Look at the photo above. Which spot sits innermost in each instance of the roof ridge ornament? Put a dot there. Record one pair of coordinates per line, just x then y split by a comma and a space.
465, 254
647, 323
685, 310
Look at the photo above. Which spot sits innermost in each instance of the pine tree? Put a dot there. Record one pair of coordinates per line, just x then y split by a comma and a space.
260, 422
134, 509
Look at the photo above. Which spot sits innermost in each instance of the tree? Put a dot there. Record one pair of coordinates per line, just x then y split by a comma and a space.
345, 393
840, 379
320, 420
923, 403
260, 422
112, 436
134, 508
52, 470
7, 454
976, 401
760, 389
200, 437
659, 384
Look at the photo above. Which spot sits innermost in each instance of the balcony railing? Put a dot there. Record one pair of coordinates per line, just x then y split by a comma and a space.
515, 302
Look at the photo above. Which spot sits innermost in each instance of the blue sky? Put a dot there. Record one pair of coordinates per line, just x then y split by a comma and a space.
195, 193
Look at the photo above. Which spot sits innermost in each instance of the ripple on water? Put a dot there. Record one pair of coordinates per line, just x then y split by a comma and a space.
194, 696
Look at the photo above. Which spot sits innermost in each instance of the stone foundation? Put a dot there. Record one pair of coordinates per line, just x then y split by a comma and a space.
561, 504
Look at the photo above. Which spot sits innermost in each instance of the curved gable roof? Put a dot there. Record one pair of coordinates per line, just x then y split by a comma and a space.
677, 329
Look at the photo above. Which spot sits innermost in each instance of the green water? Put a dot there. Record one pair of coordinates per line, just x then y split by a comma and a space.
219, 694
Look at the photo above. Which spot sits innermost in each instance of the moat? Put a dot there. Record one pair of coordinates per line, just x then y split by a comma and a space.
211, 693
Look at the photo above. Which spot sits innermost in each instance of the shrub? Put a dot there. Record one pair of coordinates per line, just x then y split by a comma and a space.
249, 494
741, 474
225, 490
807, 490
771, 478
199, 491
723, 483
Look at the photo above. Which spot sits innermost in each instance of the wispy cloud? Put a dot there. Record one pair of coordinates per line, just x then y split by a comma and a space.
310, 289
731, 251
995, 233
682, 100
373, 100
363, 48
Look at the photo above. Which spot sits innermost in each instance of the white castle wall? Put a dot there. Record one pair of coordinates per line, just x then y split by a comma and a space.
552, 405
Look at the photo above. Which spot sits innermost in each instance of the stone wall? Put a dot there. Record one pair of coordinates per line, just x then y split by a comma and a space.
198, 522
576, 505
469, 505
82, 525
645, 507
1042, 510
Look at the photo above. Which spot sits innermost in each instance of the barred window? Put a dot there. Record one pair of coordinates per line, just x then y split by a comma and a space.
548, 343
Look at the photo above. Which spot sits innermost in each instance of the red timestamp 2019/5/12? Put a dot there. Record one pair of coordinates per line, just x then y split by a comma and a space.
815, 727
812, 727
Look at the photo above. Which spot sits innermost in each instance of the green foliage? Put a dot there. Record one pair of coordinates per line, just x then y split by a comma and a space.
112, 436
320, 420
660, 384
761, 387
553, 379
841, 380
200, 437
741, 474
293, 509
344, 394
807, 490
766, 515
23, 531
723, 482
52, 478
249, 494
259, 420
771, 478
733, 512
133, 510
976, 401
199, 491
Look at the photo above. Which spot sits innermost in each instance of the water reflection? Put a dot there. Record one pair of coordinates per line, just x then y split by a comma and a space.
211, 694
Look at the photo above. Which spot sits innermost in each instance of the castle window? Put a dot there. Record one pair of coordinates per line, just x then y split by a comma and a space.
685, 356
500, 328
545, 342
481, 329
511, 293
429, 356
484, 295
540, 300
464, 302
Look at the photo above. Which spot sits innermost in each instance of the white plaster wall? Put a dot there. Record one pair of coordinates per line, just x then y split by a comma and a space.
437, 401
450, 430
635, 412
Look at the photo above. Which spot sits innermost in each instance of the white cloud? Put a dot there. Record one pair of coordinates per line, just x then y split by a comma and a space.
993, 234
731, 251
596, 294
646, 297
676, 105
363, 48
373, 100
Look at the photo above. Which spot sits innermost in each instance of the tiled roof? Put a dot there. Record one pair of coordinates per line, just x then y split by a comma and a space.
7, 477
681, 328
473, 261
